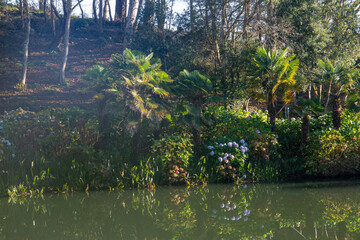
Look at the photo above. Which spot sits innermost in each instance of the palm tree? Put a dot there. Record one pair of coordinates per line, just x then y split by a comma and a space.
273, 76
133, 83
341, 79
193, 88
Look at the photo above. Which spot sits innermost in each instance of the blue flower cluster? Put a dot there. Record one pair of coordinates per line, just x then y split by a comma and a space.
228, 156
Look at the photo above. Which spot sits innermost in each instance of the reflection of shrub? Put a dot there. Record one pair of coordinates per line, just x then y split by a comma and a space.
332, 152
173, 154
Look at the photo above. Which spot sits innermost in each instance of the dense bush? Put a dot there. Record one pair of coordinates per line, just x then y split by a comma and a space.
334, 152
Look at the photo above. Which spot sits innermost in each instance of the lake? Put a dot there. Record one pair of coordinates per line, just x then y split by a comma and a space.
320, 210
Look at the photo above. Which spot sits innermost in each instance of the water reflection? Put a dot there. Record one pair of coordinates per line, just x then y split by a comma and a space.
289, 211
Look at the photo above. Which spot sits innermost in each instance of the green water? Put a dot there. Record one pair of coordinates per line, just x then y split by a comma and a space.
328, 210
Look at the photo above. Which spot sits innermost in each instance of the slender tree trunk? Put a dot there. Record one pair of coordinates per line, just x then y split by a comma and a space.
149, 13
192, 15
110, 16
101, 30
337, 111
130, 22
196, 132
272, 111
94, 10
81, 9
52, 17
136, 24
136, 144
105, 9
26, 43
246, 20
66, 39
320, 93
45, 11
223, 21
305, 129
120, 12
161, 14
328, 98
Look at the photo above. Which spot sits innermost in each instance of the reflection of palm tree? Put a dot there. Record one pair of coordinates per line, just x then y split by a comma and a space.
274, 74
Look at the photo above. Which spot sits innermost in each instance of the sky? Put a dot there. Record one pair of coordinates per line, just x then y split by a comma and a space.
179, 6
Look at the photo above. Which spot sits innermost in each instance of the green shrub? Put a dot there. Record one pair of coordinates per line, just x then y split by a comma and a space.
172, 156
332, 153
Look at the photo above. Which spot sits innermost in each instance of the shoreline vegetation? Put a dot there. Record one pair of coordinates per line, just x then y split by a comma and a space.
55, 151
178, 108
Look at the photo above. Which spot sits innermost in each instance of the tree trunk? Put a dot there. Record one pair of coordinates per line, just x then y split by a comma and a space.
305, 129
120, 12
337, 111
45, 11
66, 39
246, 19
136, 24
192, 15
136, 144
26, 43
101, 30
149, 13
161, 14
105, 12
94, 10
272, 111
196, 140
130, 22
81, 9
52, 18
328, 98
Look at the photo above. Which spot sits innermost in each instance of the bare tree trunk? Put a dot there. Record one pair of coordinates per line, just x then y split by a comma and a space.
52, 17
337, 111
105, 9
94, 10
26, 43
328, 98
272, 111
136, 24
161, 14
101, 30
149, 13
130, 22
120, 12
66, 39
81, 9
110, 16
305, 129
45, 11
246, 20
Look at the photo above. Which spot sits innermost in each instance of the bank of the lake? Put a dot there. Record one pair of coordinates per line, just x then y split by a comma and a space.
62, 150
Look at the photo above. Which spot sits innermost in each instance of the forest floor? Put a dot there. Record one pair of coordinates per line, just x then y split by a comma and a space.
43, 89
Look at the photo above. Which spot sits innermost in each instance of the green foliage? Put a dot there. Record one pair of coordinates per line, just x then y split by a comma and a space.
332, 152
173, 155
274, 69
